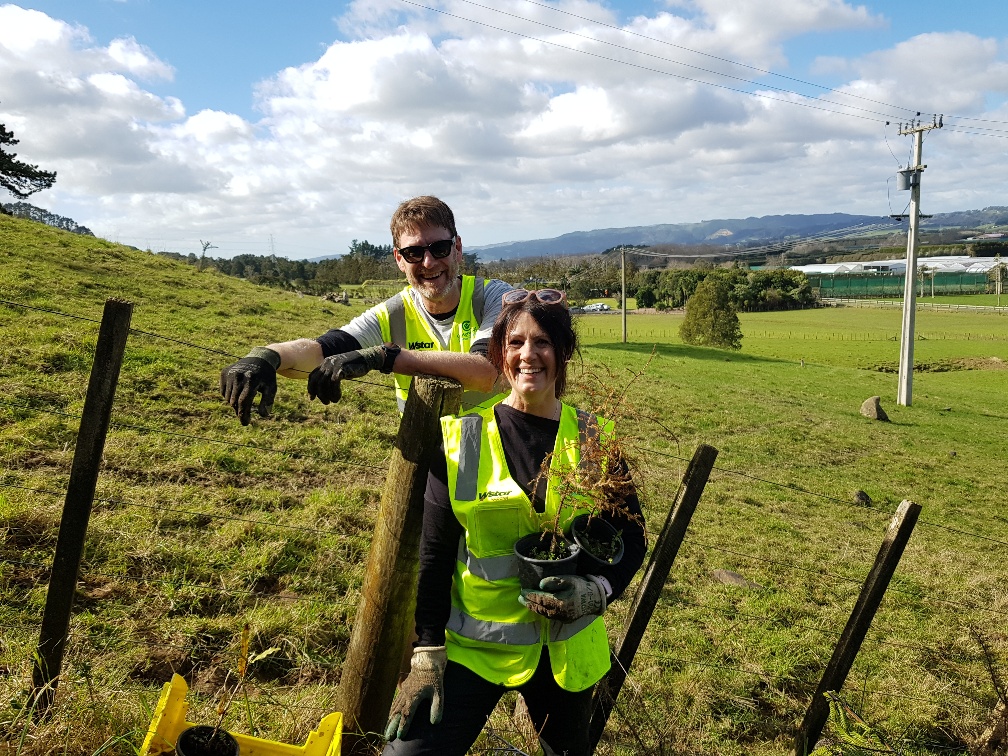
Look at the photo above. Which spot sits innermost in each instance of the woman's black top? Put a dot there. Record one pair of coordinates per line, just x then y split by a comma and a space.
527, 440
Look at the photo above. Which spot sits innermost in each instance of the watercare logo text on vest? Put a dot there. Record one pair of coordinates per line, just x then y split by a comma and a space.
492, 495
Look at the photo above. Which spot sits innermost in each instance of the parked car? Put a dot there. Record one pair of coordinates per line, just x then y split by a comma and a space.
596, 307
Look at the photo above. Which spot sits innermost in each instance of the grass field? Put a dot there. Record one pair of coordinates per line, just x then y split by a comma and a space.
202, 525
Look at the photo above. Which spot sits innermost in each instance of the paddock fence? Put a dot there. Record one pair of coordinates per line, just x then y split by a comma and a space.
194, 535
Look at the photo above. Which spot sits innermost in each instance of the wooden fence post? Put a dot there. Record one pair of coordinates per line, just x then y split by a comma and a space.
384, 616
874, 588
88, 451
650, 588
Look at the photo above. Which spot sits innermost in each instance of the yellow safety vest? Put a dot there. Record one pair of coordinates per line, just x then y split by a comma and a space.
402, 324
488, 630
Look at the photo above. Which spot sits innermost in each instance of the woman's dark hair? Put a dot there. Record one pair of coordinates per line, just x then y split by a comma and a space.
555, 320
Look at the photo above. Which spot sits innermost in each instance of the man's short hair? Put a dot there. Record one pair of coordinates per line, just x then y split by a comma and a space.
420, 212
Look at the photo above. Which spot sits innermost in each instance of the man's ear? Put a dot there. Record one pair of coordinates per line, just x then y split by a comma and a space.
400, 262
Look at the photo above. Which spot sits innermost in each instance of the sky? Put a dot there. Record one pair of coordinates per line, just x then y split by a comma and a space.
295, 128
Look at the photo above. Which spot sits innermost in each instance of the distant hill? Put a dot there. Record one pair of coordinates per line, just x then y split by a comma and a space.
746, 231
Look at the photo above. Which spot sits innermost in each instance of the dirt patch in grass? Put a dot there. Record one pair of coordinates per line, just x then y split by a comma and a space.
947, 366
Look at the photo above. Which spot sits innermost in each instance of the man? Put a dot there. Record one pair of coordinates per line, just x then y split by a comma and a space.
438, 325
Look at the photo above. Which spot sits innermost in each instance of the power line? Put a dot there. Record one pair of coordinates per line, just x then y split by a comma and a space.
755, 69
656, 70
681, 63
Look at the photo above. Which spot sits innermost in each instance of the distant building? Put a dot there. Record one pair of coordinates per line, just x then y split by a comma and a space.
946, 264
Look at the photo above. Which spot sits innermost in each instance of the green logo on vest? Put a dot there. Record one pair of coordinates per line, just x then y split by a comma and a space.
465, 328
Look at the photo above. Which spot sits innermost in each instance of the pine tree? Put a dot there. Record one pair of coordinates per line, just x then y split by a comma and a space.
711, 319
18, 177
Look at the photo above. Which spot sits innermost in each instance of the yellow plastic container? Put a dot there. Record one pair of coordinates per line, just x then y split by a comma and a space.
170, 719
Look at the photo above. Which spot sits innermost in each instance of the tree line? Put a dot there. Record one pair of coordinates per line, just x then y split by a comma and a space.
41, 215
583, 277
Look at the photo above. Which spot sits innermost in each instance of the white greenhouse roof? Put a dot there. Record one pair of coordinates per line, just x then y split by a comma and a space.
949, 263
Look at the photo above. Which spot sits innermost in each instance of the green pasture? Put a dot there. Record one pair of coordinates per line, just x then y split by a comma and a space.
977, 300
202, 525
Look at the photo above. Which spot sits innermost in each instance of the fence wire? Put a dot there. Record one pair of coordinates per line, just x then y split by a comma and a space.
645, 704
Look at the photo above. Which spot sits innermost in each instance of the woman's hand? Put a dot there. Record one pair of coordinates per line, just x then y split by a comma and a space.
425, 680
566, 597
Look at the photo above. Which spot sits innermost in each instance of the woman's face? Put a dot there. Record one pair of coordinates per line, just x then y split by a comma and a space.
530, 360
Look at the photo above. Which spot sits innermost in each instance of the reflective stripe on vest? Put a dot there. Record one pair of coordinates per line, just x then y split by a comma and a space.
469, 458
488, 568
513, 633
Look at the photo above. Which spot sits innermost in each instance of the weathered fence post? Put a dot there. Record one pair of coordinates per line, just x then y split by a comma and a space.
384, 616
88, 451
649, 591
874, 588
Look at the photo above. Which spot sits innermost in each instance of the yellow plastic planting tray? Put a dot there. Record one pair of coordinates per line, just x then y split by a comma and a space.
170, 719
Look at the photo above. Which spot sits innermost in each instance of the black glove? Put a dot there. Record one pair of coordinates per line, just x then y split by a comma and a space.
255, 373
324, 381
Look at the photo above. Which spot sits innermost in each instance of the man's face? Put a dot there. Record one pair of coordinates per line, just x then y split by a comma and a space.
435, 280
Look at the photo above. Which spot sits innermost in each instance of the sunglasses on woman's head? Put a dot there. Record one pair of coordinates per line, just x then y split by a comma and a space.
439, 250
545, 296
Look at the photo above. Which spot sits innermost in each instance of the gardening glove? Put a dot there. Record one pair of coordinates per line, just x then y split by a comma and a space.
324, 381
252, 374
565, 597
425, 680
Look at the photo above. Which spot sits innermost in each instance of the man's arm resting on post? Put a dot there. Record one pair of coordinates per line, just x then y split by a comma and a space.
473, 371
298, 358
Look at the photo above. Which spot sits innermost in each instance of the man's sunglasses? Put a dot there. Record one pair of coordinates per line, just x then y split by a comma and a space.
545, 296
439, 250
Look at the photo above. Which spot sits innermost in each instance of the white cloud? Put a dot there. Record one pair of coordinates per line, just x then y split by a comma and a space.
23, 32
526, 136
137, 59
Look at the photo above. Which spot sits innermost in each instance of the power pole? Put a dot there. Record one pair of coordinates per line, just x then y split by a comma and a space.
623, 286
913, 174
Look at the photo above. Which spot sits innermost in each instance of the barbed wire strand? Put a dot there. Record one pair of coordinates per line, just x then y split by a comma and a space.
960, 531
858, 581
154, 335
845, 502
191, 512
191, 437
87, 574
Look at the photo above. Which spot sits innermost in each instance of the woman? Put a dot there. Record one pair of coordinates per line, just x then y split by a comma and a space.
480, 634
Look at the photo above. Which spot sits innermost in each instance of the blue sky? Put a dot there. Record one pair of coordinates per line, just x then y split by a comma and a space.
298, 127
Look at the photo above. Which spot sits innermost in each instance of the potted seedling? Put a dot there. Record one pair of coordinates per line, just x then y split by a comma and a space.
206, 740
543, 554
594, 488
600, 544
209, 740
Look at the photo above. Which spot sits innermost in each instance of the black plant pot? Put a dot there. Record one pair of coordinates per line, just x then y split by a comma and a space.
531, 569
600, 543
204, 740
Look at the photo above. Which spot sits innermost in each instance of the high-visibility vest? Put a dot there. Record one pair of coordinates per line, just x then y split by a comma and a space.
488, 631
402, 324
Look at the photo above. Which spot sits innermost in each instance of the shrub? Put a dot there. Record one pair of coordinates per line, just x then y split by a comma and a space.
711, 319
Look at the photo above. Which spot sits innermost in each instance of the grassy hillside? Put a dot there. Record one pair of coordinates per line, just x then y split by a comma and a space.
202, 525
